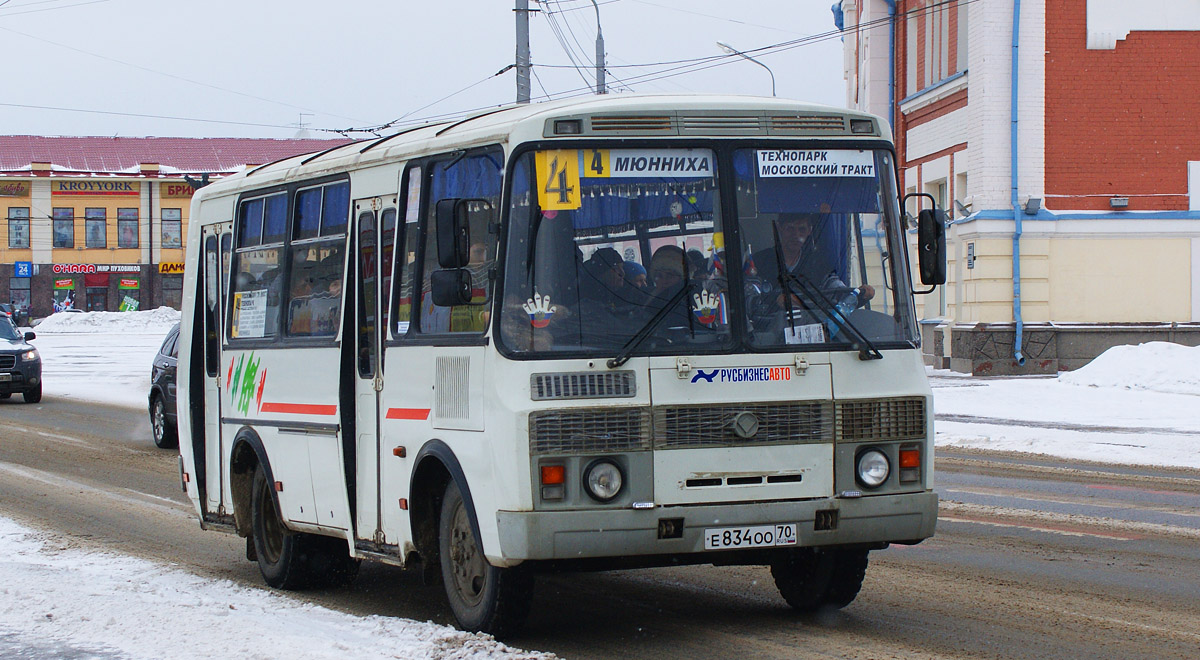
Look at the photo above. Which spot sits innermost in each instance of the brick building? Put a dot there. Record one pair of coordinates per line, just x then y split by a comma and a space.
102, 222
1074, 184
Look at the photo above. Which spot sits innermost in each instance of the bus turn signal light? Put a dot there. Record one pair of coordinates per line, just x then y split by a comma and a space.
910, 464
553, 475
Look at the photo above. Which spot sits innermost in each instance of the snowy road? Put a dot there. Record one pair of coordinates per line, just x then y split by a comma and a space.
1100, 560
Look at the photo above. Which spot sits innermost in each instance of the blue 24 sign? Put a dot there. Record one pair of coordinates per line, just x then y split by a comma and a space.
23, 269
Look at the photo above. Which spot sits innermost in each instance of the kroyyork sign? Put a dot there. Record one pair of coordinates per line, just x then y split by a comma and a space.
68, 269
102, 188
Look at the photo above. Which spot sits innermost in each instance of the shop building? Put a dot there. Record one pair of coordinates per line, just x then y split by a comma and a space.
1061, 137
101, 223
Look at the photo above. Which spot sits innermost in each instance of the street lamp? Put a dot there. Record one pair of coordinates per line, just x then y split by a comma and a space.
733, 51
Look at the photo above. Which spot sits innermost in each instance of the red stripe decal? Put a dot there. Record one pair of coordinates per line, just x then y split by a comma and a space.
408, 413
298, 408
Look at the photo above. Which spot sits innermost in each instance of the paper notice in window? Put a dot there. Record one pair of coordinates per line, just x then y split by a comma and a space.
249, 314
804, 334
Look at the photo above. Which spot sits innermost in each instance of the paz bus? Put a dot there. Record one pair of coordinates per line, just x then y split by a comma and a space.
624, 331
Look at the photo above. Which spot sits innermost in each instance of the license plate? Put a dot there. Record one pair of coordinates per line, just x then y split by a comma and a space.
4, 378
758, 536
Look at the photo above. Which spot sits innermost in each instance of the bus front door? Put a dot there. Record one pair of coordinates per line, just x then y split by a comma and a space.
375, 226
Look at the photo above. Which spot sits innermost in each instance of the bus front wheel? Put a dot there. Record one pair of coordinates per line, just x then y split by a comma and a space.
484, 598
809, 579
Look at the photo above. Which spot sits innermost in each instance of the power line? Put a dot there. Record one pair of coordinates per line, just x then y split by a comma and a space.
149, 116
35, 11
162, 73
694, 65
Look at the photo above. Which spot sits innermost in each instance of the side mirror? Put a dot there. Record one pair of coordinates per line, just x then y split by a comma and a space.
931, 246
450, 287
29, 336
453, 233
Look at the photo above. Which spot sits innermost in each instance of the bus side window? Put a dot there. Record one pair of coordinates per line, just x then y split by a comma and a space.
257, 258
406, 264
474, 177
317, 260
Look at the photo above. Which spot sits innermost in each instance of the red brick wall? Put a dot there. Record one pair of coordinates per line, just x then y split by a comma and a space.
1119, 122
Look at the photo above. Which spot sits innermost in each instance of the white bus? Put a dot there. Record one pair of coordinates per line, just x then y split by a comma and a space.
625, 331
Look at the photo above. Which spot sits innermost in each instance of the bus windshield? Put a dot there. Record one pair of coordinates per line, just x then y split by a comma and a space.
612, 249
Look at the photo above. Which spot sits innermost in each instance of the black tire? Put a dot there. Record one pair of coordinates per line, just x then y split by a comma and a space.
484, 598
809, 579
294, 560
166, 434
34, 395
281, 553
849, 570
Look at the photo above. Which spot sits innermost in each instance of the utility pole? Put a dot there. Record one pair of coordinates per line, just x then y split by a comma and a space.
600, 87
522, 10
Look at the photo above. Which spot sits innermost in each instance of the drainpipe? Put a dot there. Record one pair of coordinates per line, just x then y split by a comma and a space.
1017, 211
891, 5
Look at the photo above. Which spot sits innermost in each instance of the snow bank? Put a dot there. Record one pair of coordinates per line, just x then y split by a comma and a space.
1155, 366
52, 595
153, 321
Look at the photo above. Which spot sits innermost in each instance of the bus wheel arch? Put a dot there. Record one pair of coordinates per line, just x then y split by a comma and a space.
247, 456
435, 467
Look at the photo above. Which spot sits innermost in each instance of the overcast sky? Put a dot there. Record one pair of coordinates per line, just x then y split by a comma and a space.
252, 67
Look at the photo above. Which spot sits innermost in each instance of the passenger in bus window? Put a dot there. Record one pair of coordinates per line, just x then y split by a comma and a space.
635, 275
299, 309
794, 230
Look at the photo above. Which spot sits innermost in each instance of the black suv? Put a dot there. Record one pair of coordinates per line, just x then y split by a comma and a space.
162, 392
20, 364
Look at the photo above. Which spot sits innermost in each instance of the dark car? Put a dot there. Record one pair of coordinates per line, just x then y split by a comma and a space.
162, 392
14, 313
20, 364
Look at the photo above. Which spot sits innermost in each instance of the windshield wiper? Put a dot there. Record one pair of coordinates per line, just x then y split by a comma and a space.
649, 327
866, 349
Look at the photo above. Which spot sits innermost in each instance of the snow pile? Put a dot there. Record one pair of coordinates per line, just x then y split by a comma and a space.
153, 321
109, 604
1155, 366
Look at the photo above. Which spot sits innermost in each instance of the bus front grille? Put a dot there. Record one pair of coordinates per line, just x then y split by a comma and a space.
688, 427
881, 419
589, 430
599, 430
582, 385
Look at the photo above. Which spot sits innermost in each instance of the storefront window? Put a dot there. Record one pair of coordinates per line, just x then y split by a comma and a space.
173, 291
96, 228
18, 288
18, 227
64, 228
127, 228
172, 228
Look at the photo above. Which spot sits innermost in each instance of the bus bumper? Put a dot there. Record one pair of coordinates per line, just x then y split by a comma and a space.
550, 535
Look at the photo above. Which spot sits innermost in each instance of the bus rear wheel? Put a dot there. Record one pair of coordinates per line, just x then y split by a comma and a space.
484, 598
281, 553
812, 578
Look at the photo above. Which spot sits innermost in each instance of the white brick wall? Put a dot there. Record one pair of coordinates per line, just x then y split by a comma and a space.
938, 134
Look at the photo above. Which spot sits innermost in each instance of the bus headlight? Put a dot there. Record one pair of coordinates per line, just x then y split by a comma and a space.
873, 468
603, 480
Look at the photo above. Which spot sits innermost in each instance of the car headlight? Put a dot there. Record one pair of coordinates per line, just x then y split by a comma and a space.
873, 468
30, 356
603, 480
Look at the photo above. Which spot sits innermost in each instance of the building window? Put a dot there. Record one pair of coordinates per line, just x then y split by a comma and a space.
18, 227
172, 287
96, 228
172, 228
127, 228
64, 228
18, 292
